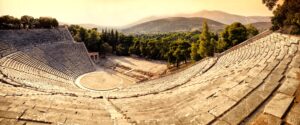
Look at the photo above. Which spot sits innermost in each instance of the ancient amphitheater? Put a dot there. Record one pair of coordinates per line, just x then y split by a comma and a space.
256, 82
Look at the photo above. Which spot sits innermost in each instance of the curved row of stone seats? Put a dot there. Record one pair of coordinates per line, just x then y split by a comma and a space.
248, 41
12, 90
238, 60
23, 62
31, 72
163, 83
283, 106
28, 37
52, 109
43, 56
227, 93
274, 98
6, 49
73, 56
44, 85
26, 59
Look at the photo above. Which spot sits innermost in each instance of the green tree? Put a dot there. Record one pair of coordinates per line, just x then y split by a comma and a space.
234, 34
286, 16
221, 45
125, 42
105, 48
48, 22
73, 29
251, 30
82, 34
27, 21
152, 49
93, 41
163, 48
179, 51
212, 47
194, 52
171, 57
135, 47
9, 22
205, 46
185, 49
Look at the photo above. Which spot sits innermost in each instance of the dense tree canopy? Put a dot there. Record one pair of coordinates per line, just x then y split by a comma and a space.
286, 16
172, 47
47, 22
195, 56
234, 34
251, 30
123, 45
158, 46
28, 21
10, 22
179, 51
108, 41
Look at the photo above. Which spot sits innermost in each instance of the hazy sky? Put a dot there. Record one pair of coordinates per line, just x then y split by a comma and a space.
122, 12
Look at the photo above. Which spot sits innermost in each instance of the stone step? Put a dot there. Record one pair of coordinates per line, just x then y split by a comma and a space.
278, 105
293, 117
267, 119
289, 86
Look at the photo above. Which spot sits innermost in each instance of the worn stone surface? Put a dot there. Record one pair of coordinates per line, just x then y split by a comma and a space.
220, 122
204, 118
274, 78
222, 107
244, 108
289, 86
293, 73
9, 114
278, 105
266, 119
11, 122
38, 115
238, 92
293, 117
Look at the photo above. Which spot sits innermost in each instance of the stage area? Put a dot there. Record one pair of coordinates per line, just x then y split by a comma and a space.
103, 80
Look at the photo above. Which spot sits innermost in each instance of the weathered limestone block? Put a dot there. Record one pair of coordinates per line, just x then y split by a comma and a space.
266, 119
238, 92
245, 107
293, 117
278, 105
289, 86
38, 115
293, 73
220, 122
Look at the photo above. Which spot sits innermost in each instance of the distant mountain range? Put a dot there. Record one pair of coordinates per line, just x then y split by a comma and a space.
227, 18
216, 21
262, 26
173, 24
